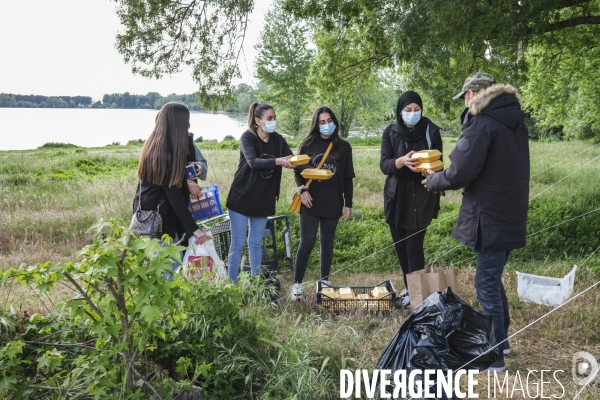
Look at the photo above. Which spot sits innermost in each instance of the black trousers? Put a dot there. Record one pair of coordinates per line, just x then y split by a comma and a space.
408, 244
309, 226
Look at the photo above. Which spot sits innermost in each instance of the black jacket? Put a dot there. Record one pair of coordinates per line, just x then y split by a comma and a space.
396, 179
250, 162
176, 217
491, 162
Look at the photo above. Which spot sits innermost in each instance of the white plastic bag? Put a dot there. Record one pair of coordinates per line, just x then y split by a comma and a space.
545, 290
202, 258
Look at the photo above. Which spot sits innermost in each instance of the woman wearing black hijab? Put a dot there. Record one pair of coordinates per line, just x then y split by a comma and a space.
409, 207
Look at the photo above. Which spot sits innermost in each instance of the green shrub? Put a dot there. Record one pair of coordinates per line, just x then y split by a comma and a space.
128, 321
57, 145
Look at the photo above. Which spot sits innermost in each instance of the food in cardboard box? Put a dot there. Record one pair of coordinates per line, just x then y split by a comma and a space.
434, 166
426, 156
379, 292
300, 160
347, 293
330, 292
319, 174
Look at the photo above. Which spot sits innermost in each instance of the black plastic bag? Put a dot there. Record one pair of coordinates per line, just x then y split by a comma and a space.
443, 333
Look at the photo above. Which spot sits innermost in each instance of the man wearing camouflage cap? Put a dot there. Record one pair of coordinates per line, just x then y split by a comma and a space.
491, 162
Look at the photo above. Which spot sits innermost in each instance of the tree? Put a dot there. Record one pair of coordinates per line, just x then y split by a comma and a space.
163, 36
565, 102
282, 64
72, 104
435, 44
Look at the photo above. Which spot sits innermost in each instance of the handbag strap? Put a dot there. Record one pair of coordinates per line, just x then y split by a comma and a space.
321, 163
139, 207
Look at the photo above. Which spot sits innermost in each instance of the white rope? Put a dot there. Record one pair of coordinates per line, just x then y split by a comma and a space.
561, 162
542, 230
562, 179
440, 221
537, 320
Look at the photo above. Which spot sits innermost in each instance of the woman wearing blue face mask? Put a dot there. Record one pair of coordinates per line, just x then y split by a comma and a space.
324, 202
255, 186
409, 207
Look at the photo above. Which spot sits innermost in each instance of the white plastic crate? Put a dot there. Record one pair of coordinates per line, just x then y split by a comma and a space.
545, 290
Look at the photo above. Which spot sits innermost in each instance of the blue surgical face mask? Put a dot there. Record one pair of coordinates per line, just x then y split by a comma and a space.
327, 129
411, 118
270, 126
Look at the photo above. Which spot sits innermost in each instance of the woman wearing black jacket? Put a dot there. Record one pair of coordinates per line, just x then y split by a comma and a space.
163, 182
255, 186
324, 202
409, 207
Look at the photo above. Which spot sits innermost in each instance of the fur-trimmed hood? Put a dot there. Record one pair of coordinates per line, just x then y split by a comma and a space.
501, 102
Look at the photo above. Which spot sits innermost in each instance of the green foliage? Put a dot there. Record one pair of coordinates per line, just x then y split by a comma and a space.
435, 44
36, 101
57, 145
244, 95
563, 87
129, 320
282, 65
162, 37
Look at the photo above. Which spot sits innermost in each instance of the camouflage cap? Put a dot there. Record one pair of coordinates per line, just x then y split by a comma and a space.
477, 81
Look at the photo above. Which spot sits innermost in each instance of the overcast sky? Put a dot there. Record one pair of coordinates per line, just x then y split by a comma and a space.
67, 47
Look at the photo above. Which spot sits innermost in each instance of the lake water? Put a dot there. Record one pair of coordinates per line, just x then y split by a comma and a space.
29, 128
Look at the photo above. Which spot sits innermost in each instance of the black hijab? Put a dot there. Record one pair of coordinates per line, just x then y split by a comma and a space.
412, 138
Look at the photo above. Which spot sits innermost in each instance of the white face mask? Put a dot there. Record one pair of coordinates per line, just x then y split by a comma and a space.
269, 127
411, 118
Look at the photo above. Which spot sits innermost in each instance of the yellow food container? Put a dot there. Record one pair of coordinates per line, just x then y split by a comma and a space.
347, 293
379, 292
330, 292
434, 166
319, 174
363, 296
300, 160
426, 156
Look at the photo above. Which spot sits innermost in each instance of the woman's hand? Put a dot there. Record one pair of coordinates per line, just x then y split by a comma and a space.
199, 169
347, 213
285, 162
200, 236
195, 189
407, 161
306, 199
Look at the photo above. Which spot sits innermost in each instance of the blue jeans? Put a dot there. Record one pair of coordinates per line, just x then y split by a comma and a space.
239, 228
491, 294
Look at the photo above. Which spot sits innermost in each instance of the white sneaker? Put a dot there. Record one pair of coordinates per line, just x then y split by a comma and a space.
403, 293
296, 294
325, 282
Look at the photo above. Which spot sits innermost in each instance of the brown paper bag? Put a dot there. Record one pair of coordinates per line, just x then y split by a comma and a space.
421, 284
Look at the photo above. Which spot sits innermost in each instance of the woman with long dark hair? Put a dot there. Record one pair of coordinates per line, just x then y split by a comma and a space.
409, 207
255, 186
161, 172
323, 202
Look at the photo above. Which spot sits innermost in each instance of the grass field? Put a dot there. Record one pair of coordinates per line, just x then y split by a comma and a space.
50, 197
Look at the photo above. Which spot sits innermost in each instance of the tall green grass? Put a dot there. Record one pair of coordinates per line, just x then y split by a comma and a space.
49, 197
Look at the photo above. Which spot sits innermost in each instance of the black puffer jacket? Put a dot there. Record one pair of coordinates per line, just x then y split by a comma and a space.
491, 162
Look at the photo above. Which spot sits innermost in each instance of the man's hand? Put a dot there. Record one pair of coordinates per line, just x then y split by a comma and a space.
428, 173
195, 189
